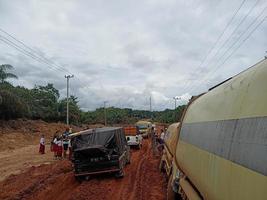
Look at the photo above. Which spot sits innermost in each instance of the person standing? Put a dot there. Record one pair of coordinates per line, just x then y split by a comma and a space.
162, 135
67, 132
65, 145
161, 141
59, 147
70, 150
153, 140
42, 145
55, 145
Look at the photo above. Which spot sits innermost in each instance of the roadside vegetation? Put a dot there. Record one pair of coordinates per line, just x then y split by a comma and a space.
44, 102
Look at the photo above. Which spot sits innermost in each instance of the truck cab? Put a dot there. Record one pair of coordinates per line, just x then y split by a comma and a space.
133, 136
145, 128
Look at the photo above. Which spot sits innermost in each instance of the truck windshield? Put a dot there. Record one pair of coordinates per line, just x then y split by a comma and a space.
142, 126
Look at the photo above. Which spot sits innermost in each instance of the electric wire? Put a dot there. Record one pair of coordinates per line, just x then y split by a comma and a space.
231, 54
233, 32
33, 50
36, 56
218, 39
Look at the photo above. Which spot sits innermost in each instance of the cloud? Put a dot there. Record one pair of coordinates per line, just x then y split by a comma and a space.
124, 51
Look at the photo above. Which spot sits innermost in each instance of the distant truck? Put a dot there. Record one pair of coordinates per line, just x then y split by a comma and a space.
101, 150
133, 136
221, 152
170, 142
145, 128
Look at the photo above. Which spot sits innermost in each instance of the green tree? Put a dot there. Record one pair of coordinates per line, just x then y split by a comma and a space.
43, 101
4, 74
11, 106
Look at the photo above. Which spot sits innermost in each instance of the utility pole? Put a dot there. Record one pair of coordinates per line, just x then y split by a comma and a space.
105, 112
68, 77
150, 107
175, 99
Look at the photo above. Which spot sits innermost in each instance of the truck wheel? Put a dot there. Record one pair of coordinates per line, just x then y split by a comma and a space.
170, 192
128, 161
79, 178
120, 174
87, 178
171, 195
161, 166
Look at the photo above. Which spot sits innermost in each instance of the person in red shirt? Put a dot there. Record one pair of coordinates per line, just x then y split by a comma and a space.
59, 147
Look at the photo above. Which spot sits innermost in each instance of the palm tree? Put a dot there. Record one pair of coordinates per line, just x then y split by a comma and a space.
4, 74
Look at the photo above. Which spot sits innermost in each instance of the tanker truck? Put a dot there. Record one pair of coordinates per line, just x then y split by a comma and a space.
170, 141
221, 153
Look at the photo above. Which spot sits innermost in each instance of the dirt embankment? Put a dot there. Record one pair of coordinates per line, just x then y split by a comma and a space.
56, 181
19, 141
15, 134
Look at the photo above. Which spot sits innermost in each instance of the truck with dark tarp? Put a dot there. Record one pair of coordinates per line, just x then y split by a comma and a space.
101, 150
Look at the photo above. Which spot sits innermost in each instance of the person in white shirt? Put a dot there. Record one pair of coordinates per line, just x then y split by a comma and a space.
42, 145
55, 145
162, 135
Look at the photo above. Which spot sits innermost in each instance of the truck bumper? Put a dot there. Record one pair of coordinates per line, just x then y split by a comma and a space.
97, 172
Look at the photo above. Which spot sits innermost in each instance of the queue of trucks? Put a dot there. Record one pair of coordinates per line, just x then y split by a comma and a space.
218, 151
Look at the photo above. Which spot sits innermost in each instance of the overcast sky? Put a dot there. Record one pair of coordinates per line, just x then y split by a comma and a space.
125, 51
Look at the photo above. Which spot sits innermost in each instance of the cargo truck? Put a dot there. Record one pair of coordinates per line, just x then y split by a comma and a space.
145, 128
101, 150
221, 152
133, 136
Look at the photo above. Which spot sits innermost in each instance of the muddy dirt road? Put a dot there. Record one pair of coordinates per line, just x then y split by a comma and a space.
18, 160
56, 181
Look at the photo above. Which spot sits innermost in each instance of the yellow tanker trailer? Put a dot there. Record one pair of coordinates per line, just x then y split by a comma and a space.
170, 142
221, 153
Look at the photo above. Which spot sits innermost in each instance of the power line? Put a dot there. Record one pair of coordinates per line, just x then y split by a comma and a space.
234, 31
27, 53
229, 48
32, 50
237, 47
244, 40
36, 56
225, 28
241, 35
220, 36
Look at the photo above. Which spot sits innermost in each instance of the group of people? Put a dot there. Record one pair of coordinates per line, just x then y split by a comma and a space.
60, 144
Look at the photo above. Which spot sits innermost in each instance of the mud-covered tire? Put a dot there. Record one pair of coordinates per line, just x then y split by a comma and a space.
171, 195
79, 178
120, 174
161, 165
128, 161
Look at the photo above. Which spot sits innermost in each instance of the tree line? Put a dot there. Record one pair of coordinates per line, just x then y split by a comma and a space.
44, 102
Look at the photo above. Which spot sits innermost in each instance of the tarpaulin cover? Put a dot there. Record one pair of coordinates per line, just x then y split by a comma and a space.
100, 140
